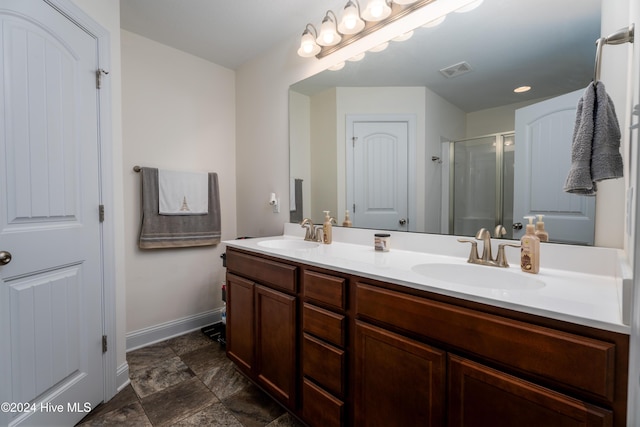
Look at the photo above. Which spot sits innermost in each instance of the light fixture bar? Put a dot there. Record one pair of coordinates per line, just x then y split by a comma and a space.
397, 12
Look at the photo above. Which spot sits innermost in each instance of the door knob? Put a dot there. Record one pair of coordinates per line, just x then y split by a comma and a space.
402, 221
5, 257
517, 226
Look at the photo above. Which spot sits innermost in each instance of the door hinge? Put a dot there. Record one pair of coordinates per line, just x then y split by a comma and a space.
353, 141
354, 208
99, 73
104, 343
101, 213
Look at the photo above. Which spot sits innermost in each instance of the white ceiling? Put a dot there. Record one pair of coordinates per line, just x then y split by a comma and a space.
229, 32
548, 44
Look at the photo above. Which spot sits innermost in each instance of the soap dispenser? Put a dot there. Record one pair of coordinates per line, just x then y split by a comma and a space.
326, 228
347, 220
540, 231
530, 249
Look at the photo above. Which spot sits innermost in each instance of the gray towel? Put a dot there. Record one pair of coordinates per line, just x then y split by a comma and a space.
177, 231
595, 154
296, 214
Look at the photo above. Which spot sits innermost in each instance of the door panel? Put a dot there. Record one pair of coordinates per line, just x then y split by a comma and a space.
380, 175
51, 291
541, 129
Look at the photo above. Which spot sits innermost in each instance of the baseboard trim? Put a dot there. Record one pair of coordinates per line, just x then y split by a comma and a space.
163, 331
122, 377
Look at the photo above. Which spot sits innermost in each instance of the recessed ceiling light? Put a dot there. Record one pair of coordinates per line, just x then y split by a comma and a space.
522, 89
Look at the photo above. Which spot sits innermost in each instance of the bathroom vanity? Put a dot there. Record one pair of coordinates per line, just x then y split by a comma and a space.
341, 335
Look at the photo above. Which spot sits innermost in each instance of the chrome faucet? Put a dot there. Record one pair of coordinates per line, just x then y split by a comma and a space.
487, 258
313, 233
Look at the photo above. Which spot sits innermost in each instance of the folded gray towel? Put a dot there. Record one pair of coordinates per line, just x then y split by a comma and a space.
595, 150
177, 231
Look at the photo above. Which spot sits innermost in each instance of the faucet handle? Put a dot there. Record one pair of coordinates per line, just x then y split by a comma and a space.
501, 258
473, 254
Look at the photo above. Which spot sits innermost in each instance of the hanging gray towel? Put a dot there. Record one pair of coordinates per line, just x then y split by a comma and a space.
177, 231
296, 214
595, 149
606, 160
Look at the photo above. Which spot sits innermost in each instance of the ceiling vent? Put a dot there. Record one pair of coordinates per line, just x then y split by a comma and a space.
456, 70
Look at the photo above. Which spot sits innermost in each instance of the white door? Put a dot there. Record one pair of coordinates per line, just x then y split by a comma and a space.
51, 368
544, 133
380, 187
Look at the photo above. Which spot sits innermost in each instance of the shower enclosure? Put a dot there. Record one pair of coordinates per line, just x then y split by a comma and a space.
481, 184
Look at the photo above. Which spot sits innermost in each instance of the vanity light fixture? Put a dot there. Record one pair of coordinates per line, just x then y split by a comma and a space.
308, 45
435, 22
380, 47
522, 89
351, 21
329, 35
403, 37
357, 21
376, 10
356, 58
469, 7
339, 66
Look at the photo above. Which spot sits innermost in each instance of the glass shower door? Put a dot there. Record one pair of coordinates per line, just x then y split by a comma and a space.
482, 184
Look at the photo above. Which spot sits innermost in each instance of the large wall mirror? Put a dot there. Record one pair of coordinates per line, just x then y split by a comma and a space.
444, 127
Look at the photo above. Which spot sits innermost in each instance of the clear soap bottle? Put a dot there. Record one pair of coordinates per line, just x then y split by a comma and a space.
327, 228
540, 231
530, 249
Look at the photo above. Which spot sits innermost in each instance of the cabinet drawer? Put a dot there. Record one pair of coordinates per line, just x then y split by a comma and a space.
324, 364
324, 289
275, 274
475, 389
320, 407
584, 363
323, 324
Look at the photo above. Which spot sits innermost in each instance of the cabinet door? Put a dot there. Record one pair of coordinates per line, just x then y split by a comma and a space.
240, 322
276, 343
480, 396
398, 381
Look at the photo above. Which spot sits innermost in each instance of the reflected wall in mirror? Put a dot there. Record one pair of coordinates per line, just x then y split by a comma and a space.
449, 83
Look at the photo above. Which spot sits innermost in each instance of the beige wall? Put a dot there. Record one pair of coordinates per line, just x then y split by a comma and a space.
178, 113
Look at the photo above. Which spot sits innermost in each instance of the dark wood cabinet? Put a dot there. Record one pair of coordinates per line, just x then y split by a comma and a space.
342, 350
397, 381
480, 396
240, 322
262, 324
275, 342
323, 349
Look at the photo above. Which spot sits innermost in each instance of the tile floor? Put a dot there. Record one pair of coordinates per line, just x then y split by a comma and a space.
188, 381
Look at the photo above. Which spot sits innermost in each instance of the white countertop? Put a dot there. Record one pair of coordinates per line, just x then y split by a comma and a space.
587, 299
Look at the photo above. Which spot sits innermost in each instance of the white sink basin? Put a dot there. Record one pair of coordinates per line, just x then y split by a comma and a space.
479, 276
288, 244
